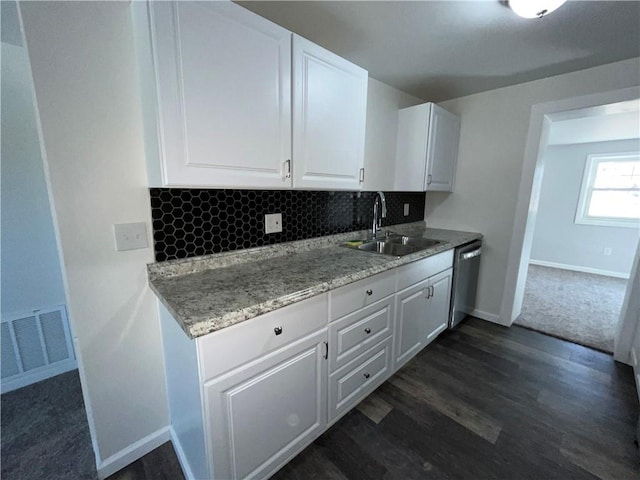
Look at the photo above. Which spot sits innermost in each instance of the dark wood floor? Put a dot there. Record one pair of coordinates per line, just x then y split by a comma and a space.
481, 402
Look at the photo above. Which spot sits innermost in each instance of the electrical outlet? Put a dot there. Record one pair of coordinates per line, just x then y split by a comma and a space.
130, 236
607, 251
406, 209
273, 223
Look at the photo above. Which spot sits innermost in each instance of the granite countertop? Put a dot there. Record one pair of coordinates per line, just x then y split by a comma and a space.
209, 293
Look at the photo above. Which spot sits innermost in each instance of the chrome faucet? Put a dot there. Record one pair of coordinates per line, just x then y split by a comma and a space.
379, 206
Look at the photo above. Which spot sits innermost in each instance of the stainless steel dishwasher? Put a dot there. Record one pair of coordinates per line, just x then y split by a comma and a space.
465, 281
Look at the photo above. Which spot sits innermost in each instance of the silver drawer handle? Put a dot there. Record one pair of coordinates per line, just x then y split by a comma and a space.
369, 292
278, 330
367, 331
366, 375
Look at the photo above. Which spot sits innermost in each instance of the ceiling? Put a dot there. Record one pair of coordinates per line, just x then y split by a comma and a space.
437, 50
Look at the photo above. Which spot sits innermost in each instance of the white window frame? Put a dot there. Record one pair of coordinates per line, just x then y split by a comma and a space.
586, 189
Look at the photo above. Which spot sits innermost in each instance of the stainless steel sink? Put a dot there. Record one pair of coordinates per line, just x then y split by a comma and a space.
386, 248
396, 245
417, 242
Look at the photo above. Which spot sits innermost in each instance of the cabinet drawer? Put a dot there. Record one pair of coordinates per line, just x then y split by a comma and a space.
352, 335
231, 347
417, 271
359, 294
351, 384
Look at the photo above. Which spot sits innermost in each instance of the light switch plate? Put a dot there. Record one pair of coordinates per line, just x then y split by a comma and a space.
130, 236
406, 209
273, 223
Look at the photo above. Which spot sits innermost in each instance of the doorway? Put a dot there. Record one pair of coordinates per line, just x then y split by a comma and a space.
528, 200
587, 226
45, 431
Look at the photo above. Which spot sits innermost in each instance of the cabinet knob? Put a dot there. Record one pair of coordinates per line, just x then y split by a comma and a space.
369, 292
367, 331
278, 330
366, 375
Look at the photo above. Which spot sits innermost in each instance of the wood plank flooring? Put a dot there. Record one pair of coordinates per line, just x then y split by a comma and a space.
481, 402
487, 402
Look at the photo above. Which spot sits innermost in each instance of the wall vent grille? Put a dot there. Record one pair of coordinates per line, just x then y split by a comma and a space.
35, 346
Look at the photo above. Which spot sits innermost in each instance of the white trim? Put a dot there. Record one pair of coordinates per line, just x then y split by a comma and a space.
530, 183
48, 371
579, 268
489, 317
587, 187
133, 452
182, 458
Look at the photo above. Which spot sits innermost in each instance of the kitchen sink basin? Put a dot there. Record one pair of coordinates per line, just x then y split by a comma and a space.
396, 245
386, 248
418, 243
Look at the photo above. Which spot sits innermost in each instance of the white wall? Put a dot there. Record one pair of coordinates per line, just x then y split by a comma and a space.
383, 103
31, 275
600, 128
83, 66
557, 239
492, 141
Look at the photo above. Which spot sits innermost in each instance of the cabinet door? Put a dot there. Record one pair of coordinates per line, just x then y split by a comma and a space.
410, 322
437, 309
329, 116
262, 414
223, 76
411, 148
442, 149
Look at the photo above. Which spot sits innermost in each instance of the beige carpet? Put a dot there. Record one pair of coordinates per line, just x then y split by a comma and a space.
580, 307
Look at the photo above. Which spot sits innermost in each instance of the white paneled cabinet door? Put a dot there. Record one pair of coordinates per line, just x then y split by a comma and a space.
259, 415
442, 149
427, 149
437, 305
329, 117
410, 322
223, 77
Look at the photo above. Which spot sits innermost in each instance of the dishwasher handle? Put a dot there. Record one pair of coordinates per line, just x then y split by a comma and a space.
468, 255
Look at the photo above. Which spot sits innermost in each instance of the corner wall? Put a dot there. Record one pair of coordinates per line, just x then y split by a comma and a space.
84, 71
492, 143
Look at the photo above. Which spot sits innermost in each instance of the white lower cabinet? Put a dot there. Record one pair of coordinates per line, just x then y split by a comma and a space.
422, 313
262, 414
410, 321
246, 399
437, 309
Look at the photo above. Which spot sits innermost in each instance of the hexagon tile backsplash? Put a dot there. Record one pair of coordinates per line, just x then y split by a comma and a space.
192, 222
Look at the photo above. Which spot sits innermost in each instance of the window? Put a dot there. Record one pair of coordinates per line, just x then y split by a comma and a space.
610, 193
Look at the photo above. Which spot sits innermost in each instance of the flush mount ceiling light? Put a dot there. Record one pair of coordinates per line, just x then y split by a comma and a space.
534, 8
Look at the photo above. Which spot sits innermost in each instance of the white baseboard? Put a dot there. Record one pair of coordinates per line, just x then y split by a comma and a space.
182, 458
489, 317
38, 375
133, 452
576, 268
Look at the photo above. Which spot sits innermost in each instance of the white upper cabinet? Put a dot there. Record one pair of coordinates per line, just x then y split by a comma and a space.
223, 81
329, 119
427, 149
216, 88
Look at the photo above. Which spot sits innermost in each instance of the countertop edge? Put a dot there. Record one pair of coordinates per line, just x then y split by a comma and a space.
215, 323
